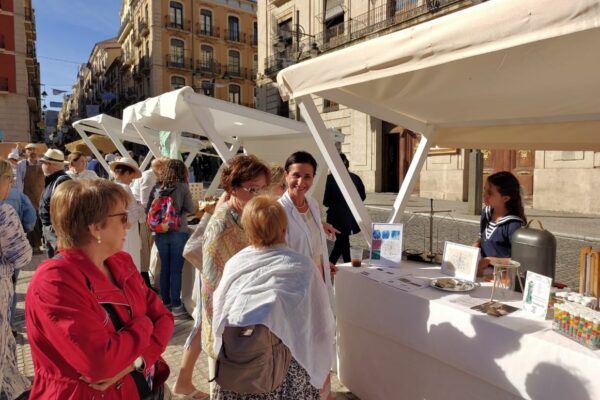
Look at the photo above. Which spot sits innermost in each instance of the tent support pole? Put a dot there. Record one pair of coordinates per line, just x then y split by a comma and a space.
117, 142
412, 174
330, 153
146, 161
153, 149
205, 121
93, 148
190, 158
214, 184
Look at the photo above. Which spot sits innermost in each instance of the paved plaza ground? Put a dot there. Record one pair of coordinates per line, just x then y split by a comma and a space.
573, 231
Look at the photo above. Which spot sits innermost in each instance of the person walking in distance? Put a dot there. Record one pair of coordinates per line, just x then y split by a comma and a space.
53, 165
30, 181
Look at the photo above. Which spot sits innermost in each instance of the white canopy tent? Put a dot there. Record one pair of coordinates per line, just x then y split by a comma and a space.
270, 137
112, 127
508, 74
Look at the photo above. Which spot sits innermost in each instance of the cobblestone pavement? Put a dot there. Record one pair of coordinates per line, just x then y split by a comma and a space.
451, 226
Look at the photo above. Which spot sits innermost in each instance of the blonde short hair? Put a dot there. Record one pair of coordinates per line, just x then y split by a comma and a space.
277, 176
264, 221
77, 204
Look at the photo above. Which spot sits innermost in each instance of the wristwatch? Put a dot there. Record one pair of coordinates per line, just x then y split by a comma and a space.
138, 363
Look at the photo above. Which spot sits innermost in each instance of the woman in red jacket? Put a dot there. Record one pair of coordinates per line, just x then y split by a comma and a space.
95, 329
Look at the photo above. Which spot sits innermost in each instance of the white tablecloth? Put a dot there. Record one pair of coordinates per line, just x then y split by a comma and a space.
423, 345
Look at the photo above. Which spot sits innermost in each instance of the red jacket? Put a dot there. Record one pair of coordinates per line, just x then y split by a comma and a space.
71, 334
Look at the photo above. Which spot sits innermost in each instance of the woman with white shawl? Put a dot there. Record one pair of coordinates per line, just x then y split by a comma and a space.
269, 284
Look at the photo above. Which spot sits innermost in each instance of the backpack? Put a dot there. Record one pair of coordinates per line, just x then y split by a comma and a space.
162, 216
252, 360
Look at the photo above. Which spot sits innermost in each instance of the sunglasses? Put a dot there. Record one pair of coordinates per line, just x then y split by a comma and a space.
124, 217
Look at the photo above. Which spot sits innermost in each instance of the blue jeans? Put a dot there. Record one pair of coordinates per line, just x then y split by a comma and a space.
170, 249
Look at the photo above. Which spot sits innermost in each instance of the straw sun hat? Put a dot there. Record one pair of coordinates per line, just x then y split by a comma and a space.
129, 163
53, 156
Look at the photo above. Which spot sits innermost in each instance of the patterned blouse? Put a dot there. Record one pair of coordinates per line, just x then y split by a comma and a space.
15, 251
223, 238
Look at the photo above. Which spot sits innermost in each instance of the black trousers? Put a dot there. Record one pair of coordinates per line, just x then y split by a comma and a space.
51, 240
341, 247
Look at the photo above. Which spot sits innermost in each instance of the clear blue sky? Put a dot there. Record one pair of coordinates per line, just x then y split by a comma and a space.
67, 30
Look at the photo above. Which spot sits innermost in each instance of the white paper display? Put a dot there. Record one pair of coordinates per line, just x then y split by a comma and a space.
460, 261
536, 294
386, 245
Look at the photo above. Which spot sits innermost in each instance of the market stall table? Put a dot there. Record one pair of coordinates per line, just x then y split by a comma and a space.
428, 344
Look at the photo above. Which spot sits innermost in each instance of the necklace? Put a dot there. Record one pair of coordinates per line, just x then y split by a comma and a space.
303, 206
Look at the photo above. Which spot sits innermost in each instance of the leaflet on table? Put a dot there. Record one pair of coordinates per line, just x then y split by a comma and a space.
536, 294
394, 277
386, 244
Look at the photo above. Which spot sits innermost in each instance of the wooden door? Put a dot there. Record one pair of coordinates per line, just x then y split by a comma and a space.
519, 162
399, 147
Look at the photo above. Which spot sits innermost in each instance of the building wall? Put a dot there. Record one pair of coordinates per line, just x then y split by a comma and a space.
157, 45
567, 181
442, 177
19, 107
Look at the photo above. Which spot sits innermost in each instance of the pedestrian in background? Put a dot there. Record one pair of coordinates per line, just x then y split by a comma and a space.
278, 184
173, 182
15, 253
126, 170
95, 329
339, 214
141, 189
30, 180
76, 167
53, 166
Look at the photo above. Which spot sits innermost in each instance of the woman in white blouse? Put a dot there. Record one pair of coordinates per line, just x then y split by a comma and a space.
306, 233
126, 170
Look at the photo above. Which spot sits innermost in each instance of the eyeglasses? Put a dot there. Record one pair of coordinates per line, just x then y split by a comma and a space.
124, 217
255, 190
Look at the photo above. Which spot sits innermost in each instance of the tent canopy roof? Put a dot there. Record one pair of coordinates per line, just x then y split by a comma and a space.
177, 111
99, 123
506, 74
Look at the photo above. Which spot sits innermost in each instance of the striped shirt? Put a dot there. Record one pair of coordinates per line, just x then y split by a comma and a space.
15, 251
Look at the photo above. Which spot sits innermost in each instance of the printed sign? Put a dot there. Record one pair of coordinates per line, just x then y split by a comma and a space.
460, 261
536, 294
386, 245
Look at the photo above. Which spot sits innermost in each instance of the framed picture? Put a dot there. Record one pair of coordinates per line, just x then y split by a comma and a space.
460, 261
386, 245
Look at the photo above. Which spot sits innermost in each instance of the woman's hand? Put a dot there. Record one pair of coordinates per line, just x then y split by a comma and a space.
330, 231
482, 265
104, 384
333, 270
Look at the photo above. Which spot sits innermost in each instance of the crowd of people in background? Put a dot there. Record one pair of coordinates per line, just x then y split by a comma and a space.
96, 324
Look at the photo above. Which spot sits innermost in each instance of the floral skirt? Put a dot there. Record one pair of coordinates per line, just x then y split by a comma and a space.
295, 386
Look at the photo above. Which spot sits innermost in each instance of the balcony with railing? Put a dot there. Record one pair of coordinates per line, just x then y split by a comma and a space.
177, 25
179, 62
254, 40
145, 64
29, 15
389, 16
208, 32
235, 72
30, 51
125, 23
235, 36
143, 28
136, 38
208, 67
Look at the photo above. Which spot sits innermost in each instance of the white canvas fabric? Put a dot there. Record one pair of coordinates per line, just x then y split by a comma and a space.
282, 290
508, 74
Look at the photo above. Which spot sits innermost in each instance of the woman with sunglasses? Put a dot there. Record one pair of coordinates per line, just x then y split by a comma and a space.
243, 178
126, 170
15, 252
77, 167
95, 329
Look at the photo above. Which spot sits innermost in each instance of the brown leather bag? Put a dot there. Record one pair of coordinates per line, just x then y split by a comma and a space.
252, 360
